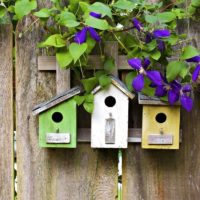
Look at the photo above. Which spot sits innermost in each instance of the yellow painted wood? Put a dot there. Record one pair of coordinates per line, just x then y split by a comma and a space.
151, 127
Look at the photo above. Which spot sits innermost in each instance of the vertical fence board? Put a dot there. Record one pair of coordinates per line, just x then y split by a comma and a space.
53, 174
164, 174
6, 114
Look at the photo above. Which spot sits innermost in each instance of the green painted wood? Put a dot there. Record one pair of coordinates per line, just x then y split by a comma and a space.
67, 125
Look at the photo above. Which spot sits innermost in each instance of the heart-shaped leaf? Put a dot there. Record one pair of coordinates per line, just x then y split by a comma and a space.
77, 50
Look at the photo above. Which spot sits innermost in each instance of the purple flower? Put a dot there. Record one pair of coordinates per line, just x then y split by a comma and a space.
196, 73
161, 45
158, 35
141, 66
175, 91
185, 100
137, 24
94, 34
148, 38
161, 33
194, 59
96, 15
81, 36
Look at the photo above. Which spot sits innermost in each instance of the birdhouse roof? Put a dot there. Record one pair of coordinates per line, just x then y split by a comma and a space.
120, 85
147, 100
57, 100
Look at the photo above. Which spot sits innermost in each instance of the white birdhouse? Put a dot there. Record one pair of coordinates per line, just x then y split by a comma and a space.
109, 128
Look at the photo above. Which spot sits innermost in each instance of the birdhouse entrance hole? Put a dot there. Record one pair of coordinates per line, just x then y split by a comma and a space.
57, 117
110, 101
161, 117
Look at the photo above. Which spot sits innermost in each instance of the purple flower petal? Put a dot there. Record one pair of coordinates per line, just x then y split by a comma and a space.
138, 82
155, 77
137, 24
196, 73
146, 63
160, 91
173, 96
94, 34
96, 15
161, 33
135, 63
187, 88
148, 38
161, 45
80, 37
176, 86
186, 102
194, 59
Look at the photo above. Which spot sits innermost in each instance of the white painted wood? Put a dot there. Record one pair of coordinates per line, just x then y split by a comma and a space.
58, 138
101, 113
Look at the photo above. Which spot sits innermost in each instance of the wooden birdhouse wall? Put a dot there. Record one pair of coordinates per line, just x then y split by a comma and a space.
60, 119
160, 127
110, 112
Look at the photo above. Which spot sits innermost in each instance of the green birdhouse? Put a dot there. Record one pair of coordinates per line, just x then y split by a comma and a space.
57, 120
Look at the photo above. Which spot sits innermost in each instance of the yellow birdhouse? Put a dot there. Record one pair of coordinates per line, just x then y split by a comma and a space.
160, 124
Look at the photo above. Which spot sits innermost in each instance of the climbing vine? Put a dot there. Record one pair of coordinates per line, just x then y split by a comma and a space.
163, 63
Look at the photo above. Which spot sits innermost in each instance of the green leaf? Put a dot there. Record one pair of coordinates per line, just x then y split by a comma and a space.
64, 58
151, 19
166, 17
100, 24
91, 44
109, 65
73, 5
174, 69
77, 50
67, 19
24, 7
149, 91
151, 45
84, 6
79, 99
124, 5
101, 8
189, 52
43, 13
129, 79
192, 10
89, 98
195, 3
104, 81
55, 40
156, 55
89, 84
2, 11
89, 107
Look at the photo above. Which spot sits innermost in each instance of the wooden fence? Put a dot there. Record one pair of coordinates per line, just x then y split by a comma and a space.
83, 173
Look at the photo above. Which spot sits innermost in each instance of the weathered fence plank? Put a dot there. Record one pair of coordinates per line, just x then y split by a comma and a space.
162, 174
6, 114
54, 174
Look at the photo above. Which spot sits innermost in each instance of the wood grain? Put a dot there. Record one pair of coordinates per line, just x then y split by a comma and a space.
54, 174
48, 63
6, 114
163, 174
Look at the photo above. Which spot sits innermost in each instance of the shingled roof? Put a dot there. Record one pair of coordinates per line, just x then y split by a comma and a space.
120, 85
57, 100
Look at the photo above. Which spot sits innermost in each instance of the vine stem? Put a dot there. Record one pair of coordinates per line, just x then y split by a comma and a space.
120, 42
30, 26
82, 74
